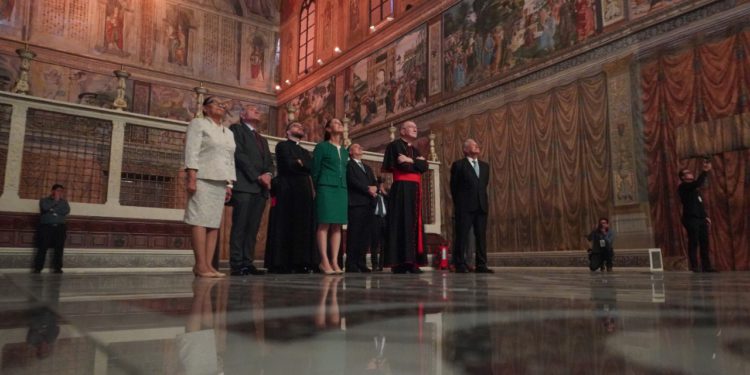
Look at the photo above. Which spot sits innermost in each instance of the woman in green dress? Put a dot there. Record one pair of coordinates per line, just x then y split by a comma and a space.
331, 199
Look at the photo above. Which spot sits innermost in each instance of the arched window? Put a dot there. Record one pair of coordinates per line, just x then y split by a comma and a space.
380, 10
306, 36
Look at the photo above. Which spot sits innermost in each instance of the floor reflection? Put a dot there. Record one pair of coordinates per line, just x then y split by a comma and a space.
512, 322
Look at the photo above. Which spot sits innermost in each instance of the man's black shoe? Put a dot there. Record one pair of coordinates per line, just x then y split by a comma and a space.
36, 271
238, 272
364, 269
462, 269
483, 270
711, 270
57, 271
398, 269
254, 271
414, 269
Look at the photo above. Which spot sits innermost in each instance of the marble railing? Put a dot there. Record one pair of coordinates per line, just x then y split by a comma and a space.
114, 164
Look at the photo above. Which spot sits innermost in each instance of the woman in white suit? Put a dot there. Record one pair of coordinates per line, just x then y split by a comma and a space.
209, 162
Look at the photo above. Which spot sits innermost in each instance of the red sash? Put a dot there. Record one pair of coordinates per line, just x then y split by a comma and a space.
414, 177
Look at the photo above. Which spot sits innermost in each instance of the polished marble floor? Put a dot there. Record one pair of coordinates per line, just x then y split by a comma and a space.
511, 322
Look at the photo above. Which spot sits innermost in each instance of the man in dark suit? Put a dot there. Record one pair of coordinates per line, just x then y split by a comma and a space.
694, 217
254, 166
362, 186
469, 180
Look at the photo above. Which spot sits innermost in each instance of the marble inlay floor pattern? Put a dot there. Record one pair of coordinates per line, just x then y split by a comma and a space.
511, 322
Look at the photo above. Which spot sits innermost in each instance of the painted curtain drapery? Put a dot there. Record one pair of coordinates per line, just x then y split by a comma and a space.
550, 167
710, 83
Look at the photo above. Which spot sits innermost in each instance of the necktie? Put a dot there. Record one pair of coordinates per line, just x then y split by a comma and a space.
475, 164
362, 167
259, 142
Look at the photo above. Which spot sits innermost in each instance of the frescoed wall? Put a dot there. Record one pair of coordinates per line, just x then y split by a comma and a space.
483, 39
229, 41
8, 71
76, 86
312, 109
389, 82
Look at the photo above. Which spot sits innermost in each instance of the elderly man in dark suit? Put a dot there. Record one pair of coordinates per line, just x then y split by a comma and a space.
254, 171
469, 180
363, 189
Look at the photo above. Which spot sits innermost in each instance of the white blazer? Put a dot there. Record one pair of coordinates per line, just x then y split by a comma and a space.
209, 148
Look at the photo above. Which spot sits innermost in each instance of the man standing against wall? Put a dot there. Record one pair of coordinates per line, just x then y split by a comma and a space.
362, 185
405, 248
469, 180
54, 210
254, 171
694, 217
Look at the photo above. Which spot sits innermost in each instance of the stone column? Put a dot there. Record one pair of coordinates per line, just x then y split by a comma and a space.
347, 141
290, 114
433, 153
120, 103
22, 85
201, 92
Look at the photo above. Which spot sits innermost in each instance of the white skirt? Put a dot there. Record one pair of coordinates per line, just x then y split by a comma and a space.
206, 207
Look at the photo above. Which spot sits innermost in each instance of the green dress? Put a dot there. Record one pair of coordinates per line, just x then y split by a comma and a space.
329, 178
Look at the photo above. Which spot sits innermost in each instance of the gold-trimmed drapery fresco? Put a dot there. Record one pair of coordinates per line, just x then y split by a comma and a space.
685, 92
550, 166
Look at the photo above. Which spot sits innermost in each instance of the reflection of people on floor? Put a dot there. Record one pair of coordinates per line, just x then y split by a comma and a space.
379, 362
327, 315
197, 347
247, 348
43, 325
604, 296
704, 355
473, 345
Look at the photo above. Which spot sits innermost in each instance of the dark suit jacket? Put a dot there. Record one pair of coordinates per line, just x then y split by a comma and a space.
692, 202
358, 182
469, 191
250, 160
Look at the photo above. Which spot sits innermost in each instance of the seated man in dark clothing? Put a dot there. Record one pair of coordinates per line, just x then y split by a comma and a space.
601, 246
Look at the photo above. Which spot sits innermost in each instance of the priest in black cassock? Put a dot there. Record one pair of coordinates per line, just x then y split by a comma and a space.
404, 247
290, 246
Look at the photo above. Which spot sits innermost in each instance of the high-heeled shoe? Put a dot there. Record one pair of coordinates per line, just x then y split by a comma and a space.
326, 272
203, 274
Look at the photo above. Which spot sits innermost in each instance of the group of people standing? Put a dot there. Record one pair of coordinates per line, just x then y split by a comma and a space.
312, 197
